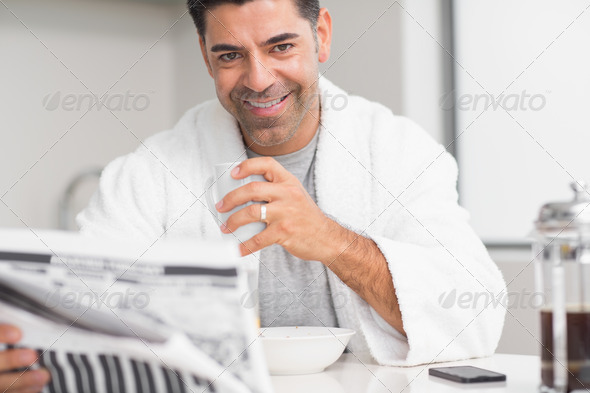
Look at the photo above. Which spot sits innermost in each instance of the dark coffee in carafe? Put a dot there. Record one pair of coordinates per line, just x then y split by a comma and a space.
578, 348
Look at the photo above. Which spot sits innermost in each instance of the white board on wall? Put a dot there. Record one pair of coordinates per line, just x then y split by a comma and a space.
522, 100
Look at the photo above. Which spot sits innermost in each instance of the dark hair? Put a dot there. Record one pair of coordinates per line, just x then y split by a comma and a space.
308, 9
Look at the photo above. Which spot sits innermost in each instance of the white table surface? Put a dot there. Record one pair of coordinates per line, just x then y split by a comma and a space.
353, 375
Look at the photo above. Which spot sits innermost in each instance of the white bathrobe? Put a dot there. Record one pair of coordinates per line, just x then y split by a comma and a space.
377, 174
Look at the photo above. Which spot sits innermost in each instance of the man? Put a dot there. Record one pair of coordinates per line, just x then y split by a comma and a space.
362, 210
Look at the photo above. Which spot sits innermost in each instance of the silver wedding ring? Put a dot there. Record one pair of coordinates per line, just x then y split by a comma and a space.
262, 212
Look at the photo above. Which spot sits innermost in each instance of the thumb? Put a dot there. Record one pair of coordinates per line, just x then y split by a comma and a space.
9, 334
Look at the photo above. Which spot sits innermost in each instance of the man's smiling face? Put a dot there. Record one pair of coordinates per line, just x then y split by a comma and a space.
264, 58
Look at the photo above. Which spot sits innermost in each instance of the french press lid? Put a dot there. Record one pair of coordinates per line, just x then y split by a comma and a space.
571, 215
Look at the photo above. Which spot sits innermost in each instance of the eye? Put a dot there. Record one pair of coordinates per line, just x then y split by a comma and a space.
282, 47
229, 56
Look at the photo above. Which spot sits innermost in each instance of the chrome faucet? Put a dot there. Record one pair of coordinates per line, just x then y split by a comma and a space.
65, 202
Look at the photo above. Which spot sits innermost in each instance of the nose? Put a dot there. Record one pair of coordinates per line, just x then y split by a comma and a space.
258, 76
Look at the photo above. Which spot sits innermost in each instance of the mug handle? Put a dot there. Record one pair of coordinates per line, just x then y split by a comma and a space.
209, 184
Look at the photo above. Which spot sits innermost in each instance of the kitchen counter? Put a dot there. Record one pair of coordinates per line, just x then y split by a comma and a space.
351, 374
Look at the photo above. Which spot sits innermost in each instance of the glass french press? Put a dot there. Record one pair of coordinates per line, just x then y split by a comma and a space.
562, 268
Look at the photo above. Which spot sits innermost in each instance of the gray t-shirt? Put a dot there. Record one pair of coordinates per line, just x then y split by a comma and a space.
294, 292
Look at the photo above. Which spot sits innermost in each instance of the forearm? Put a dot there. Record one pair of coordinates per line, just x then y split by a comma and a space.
359, 263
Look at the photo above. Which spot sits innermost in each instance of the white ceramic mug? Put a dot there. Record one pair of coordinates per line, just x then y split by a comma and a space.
221, 183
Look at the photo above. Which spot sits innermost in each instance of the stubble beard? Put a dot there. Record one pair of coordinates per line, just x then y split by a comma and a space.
275, 131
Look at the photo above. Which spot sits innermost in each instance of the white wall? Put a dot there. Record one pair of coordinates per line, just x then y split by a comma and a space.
522, 325
391, 53
60, 50
365, 50
517, 159
422, 55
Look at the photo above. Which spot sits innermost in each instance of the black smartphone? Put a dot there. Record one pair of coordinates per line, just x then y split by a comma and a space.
466, 374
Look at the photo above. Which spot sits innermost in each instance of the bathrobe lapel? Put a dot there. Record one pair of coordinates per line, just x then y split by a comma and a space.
342, 172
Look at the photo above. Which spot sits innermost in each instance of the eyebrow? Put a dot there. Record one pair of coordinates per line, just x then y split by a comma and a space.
280, 38
226, 48
271, 41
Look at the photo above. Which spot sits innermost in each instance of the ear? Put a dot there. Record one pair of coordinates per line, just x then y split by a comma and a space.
204, 53
324, 35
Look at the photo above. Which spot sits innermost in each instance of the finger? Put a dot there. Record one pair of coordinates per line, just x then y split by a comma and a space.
245, 216
265, 166
9, 334
34, 389
17, 358
20, 381
256, 191
257, 242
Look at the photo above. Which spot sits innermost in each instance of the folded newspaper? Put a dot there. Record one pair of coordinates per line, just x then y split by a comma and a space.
110, 317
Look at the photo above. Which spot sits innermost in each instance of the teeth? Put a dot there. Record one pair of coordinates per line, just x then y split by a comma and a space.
266, 104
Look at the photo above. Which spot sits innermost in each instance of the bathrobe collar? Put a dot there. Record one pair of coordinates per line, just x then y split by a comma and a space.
342, 170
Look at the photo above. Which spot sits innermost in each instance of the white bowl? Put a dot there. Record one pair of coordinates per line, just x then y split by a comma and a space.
303, 349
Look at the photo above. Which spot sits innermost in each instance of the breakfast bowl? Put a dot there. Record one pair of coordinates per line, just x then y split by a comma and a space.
302, 349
